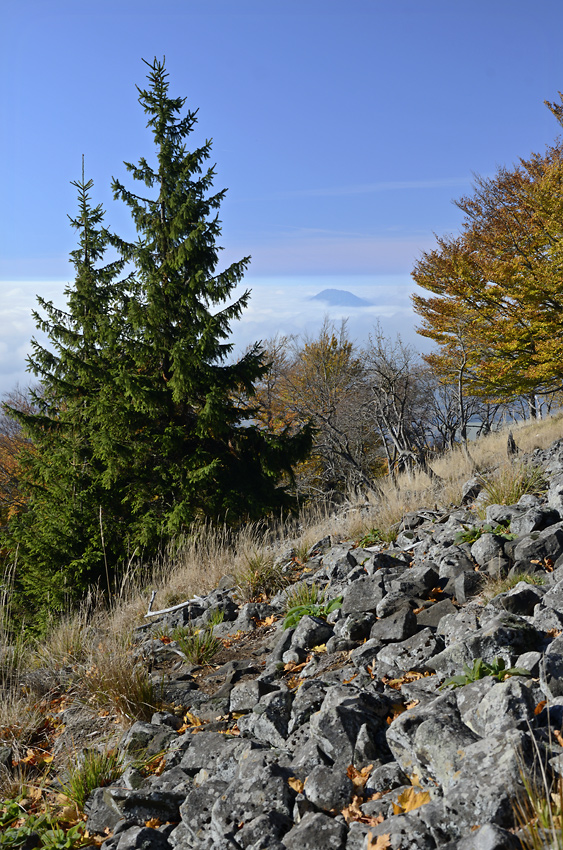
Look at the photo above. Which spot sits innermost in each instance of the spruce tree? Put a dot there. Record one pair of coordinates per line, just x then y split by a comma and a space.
201, 455
139, 428
62, 545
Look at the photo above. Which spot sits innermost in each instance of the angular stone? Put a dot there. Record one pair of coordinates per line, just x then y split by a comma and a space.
355, 626
521, 599
553, 598
310, 632
541, 545
245, 695
547, 620
268, 721
430, 740
505, 636
551, 669
265, 790
308, 699
363, 594
345, 710
106, 806
488, 780
433, 615
490, 837
395, 601
215, 753
416, 582
397, 627
139, 736
314, 831
328, 789
505, 705
142, 838
412, 654
535, 519
487, 547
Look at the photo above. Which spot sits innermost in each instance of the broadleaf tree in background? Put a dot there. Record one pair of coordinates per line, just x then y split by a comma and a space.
140, 415
322, 379
497, 304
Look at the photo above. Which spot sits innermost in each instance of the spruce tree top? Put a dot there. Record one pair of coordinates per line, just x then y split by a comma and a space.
176, 254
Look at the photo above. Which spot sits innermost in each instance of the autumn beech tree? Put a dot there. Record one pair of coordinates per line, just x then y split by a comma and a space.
496, 303
321, 379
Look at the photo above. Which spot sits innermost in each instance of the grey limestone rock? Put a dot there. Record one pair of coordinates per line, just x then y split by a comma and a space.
540, 545
505, 636
521, 599
269, 719
308, 699
414, 653
363, 594
551, 669
265, 790
488, 780
416, 581
140, 735
355, 626
433, 615
106, 806
486, 548
342, 716
489, 837
534, 519
216, 754
310, 632
315, 831
142, 838
508, 705
328, 789
430, 740
398, 626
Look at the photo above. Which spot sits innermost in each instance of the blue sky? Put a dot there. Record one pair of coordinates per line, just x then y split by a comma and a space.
342, 129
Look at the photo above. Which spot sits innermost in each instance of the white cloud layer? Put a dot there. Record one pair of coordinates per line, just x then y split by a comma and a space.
278, 305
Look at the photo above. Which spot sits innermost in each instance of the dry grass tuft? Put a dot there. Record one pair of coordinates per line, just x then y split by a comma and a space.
115, 681
509, 482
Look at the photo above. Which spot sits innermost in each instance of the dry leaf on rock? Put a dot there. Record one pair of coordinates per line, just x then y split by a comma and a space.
267, 621
353, 812
359, 777
296, 784
380, 842
409, 800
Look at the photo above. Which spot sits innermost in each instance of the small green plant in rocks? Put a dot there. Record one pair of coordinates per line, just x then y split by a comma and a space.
321, 610
480, 669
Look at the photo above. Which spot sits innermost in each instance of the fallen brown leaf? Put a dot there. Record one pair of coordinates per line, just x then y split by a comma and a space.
296, 784
353, 812
380, 842
359, 777
409, 800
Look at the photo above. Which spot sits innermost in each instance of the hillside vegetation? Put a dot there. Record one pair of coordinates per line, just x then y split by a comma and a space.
87, 658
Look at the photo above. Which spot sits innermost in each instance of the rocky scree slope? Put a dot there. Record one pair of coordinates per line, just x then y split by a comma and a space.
340, 734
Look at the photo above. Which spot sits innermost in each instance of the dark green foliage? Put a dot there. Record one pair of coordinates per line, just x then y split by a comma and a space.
139, 428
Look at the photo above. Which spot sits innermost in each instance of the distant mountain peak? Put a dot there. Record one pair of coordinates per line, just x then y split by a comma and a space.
340, 298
